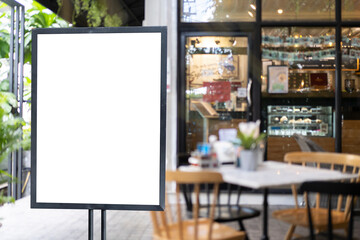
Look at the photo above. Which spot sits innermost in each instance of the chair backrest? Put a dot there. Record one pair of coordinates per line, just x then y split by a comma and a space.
335, 161
331, 188
163, 220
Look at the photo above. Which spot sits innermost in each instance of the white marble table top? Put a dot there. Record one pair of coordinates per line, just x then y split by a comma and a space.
274, 174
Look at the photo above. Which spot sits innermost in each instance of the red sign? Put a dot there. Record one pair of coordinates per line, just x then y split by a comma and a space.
217, 91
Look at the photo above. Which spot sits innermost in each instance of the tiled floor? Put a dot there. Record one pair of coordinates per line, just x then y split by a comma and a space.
19, 222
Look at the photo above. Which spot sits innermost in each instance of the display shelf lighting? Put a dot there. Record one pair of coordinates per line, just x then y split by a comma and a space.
280, 11
251, 14
253, 6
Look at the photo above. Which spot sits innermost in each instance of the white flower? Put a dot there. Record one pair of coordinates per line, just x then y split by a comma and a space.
250, 128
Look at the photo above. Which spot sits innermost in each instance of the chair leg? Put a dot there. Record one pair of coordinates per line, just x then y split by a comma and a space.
290, 232
242, 228
346, 231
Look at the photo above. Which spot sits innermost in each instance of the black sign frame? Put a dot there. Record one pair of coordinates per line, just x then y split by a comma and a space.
162, 144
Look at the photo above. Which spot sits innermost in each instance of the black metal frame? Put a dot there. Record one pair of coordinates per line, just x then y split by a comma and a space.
162, 144
255, 29
16, 59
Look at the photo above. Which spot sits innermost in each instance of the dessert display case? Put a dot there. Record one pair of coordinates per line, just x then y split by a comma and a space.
304, 120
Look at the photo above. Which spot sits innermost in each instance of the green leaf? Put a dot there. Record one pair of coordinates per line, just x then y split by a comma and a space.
249, 142
4, 85
4, 48
5, 199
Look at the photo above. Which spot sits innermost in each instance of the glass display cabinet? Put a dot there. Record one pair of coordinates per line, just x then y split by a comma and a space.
303, 120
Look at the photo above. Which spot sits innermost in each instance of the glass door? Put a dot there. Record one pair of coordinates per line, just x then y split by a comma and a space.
216, 86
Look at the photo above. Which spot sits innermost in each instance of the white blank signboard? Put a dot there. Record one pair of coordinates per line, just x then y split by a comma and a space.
98, 118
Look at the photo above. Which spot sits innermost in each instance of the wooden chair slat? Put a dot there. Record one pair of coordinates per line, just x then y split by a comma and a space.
155, 222
164, 223
196, 210
295, 195
178, 207
169, 212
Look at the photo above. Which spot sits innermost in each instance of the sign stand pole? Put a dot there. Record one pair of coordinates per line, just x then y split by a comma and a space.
91, 224
103, 224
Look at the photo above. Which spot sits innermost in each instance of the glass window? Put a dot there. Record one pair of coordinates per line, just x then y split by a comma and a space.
298, 82
350, 86
306, 53
350, 10
298, 10
218, 10
216, 81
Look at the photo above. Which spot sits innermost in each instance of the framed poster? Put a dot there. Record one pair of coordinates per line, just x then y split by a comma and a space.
96, 144
318, 81
278, 79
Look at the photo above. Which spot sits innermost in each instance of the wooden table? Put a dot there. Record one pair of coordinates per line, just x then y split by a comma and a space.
272, 174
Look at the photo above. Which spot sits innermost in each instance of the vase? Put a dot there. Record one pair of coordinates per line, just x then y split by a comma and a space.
250, 159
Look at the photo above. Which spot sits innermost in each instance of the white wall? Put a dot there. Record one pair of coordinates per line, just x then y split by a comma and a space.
163, 13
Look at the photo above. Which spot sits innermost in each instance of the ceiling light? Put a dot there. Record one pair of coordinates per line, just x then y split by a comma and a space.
253, 6
251, 14
280, 11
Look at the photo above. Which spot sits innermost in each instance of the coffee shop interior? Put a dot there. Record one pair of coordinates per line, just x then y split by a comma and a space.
296, 40
283, 74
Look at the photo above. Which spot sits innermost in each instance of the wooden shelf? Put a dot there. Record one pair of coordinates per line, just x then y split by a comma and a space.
291, 125
322, 94
297, 114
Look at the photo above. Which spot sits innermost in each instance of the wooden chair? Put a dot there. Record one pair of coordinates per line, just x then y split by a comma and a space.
330, 188
166, 227
297, 216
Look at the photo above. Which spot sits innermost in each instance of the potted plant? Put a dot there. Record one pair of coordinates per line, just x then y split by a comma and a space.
249, 139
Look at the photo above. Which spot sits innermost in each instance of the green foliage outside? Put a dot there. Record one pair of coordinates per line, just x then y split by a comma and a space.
10, 133
95, 12
14, 131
